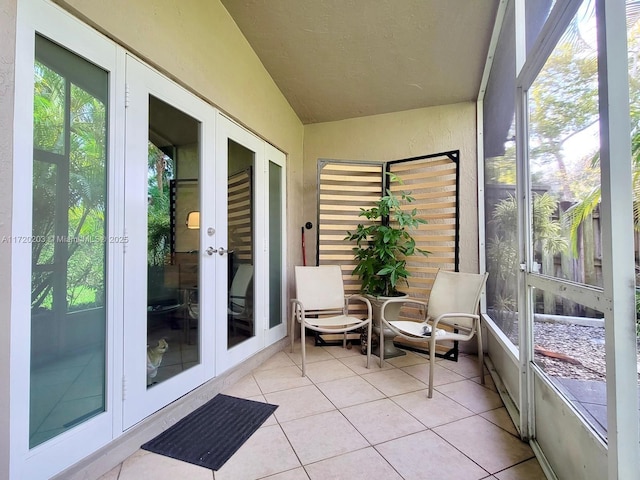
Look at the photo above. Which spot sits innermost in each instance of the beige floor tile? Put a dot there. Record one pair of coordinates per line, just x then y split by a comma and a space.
394, 382
282, 378
363, 464
406, 360
295, 474
143, 464
244, 388
272, 419
266, 452
529, 470
425, 455
337, 351
280, 359
432, 412
112, 474
475, 397
501, 418
381, 420
470, 427
441, 375
358, 363
488, 382
322, 436
298, 403
313, 354
485, 443
346, 392
467, 366
328, 370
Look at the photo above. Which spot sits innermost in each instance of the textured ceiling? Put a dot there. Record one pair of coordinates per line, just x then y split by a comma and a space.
337, 59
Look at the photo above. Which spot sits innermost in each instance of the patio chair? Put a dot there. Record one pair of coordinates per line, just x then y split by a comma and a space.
451, 314
239, 306
321, 305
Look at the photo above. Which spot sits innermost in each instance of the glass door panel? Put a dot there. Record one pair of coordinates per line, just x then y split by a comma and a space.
173, 242
276, 214
241, 164
68, 312
275, 245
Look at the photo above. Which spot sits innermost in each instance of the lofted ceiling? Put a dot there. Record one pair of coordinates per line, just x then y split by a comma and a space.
338, 59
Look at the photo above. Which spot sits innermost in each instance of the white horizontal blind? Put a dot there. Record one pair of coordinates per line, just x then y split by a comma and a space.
433, 183
344, 189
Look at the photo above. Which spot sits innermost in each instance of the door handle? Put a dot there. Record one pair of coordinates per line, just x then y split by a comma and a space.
222, 251
210, 250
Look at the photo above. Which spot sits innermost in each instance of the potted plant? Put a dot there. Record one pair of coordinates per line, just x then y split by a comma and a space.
383, 246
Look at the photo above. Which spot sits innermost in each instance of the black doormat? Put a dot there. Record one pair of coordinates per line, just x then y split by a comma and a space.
209, 435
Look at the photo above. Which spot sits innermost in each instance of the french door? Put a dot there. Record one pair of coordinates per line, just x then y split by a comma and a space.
171, 234
251, 250
64, 295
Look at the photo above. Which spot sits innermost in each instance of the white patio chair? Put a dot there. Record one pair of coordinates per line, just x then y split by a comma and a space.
453, 304
239, 308
321, 305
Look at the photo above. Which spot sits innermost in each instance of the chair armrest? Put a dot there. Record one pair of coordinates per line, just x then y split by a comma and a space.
297, 309
444, 316
413, 301
360, 298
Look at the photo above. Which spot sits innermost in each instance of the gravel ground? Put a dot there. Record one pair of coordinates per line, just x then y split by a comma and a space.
579, 344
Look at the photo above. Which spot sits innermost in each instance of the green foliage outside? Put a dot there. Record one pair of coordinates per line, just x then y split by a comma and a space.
69, 194
502, 251
563, 106
161, 168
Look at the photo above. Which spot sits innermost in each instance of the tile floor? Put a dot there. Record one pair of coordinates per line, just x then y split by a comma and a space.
343, 421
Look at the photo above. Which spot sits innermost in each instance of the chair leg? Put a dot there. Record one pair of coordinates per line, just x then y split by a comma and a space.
480, 354
380, 344
432, 362
369, 344
303, 348
292, 329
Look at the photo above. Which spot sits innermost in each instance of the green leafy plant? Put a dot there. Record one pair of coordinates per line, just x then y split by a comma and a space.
383, 245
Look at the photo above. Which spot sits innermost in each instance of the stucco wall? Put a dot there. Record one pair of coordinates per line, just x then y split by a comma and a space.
197, 44
396, 136
7, 81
